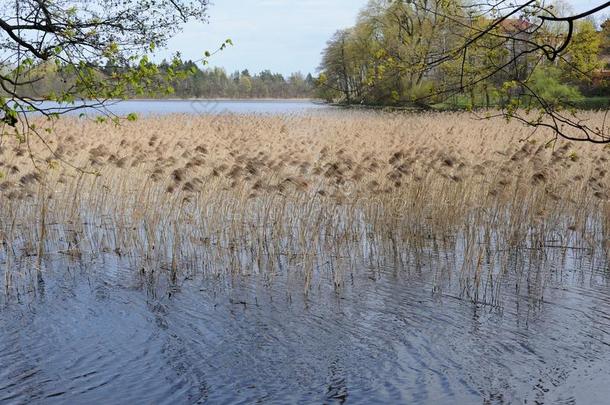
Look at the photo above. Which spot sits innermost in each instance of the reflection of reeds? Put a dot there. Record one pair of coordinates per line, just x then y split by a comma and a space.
257, 194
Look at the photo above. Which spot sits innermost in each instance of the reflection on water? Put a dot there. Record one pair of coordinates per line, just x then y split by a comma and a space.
98, 330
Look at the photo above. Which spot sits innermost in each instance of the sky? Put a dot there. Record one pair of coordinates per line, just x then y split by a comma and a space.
284, 36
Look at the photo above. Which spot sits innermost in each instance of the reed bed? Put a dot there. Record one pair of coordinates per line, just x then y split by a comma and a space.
327, 193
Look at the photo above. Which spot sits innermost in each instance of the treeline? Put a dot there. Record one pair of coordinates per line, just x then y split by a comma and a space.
183, 79
401, 53
216, 83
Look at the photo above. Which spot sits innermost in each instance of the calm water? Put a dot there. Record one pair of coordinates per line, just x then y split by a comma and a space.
161, 107
95, 332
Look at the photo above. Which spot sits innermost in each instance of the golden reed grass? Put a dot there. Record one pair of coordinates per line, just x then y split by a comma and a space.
259, 194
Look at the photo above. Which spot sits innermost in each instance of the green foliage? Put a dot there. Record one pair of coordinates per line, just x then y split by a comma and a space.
582, 56
413, 53
604, 40
95, 50
594, 103
132, 117
216, 83
382, 59
547, 84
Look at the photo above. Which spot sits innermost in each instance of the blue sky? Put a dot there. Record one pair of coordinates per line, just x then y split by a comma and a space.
282, 35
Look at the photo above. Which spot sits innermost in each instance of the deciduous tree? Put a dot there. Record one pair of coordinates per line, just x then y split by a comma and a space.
98, 48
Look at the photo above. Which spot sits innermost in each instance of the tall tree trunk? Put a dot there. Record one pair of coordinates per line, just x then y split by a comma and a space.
346, 88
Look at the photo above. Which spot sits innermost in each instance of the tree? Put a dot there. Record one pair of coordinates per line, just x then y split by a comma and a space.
335, 61
245, 86
99, 49
581, 59
413, 33
532, 44
426, 52
382, 59
296, 85
547, 83
604, 48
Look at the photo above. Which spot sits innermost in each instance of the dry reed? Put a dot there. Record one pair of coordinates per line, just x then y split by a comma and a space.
260, 194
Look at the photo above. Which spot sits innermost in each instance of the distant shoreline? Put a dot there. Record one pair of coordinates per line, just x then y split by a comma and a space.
254, 100
241, 100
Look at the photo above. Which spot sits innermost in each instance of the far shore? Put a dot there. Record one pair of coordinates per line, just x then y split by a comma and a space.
245, 100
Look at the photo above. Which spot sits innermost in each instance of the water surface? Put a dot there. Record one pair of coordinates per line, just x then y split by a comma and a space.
95, 332
163, 107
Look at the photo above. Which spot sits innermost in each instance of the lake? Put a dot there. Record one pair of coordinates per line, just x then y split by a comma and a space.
162, 107
325, 258
93, 334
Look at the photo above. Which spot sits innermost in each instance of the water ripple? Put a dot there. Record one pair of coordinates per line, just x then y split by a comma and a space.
99, 336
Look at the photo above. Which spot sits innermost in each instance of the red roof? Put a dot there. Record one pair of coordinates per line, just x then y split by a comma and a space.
514, 25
